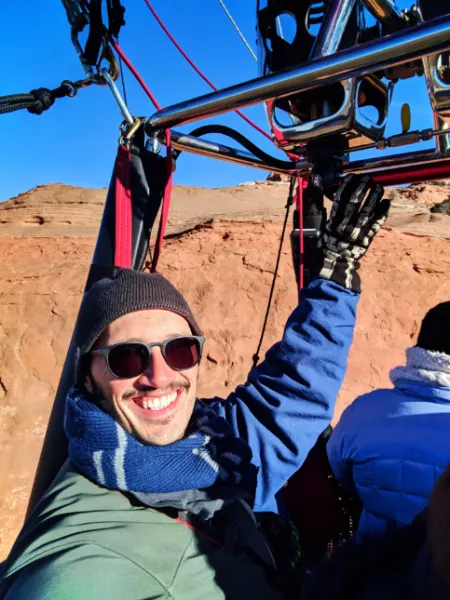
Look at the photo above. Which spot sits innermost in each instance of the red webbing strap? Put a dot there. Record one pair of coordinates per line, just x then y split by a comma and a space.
168, 190
301, 184
165, 205
123, 242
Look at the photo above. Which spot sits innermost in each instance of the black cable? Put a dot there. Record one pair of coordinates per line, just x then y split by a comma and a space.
241, 139
122, 77
277, 265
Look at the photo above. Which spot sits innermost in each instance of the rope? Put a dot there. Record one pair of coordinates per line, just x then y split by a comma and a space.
235, 25
37, 101
197, 70
13, 103
277, 265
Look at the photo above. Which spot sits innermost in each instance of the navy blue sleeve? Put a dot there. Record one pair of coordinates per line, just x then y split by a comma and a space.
289, 398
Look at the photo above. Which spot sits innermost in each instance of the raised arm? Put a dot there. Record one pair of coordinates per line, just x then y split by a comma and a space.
289, 398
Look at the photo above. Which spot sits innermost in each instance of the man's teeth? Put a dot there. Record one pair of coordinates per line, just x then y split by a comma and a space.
158, 403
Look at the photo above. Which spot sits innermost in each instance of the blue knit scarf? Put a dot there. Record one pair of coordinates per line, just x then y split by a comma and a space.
108, 455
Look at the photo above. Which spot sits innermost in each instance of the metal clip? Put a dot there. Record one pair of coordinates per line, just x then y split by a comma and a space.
78, 18
113, 68
99, 78
128, 131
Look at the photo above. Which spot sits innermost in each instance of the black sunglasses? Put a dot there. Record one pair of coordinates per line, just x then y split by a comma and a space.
131, 359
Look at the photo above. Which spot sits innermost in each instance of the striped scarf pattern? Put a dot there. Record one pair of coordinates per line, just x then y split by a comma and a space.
110, 456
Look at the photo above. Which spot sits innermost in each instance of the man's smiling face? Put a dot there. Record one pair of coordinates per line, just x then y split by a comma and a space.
156, 406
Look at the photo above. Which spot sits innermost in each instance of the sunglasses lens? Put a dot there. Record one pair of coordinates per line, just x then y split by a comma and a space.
183, 353
128, 360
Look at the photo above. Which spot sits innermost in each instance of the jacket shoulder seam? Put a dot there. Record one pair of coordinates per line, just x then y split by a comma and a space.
86, 542
177, 570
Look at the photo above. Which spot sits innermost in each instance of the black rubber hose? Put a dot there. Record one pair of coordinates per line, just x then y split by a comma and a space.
245, 142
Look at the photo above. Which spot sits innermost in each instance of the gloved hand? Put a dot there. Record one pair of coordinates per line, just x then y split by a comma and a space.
358, 213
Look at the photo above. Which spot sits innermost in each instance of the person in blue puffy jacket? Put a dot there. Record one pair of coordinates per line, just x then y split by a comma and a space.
392, 445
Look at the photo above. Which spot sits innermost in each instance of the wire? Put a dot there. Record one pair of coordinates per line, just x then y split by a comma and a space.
197, 70
236, 26
122, 78
277, 265
135, 73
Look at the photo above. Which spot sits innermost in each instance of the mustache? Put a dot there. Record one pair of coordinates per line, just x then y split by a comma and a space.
145, 389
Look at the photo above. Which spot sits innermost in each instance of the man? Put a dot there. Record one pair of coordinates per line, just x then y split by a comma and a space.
156, 499
391, 446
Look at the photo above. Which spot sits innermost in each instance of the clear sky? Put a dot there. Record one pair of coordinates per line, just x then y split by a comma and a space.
76, 140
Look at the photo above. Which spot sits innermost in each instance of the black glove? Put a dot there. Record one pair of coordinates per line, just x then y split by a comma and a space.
358, 213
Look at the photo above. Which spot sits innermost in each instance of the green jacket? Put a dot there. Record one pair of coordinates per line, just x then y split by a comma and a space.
133, 553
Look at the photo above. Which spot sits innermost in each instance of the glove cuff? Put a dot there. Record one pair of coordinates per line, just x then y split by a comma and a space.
343, 271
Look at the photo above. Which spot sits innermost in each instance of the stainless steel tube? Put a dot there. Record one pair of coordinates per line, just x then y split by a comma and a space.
120, 101
387, 13
427, 38
202, 147
405, 159
442, 141
332, 28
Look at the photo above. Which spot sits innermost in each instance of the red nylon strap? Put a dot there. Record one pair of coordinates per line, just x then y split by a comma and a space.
165, 205
301, 184
123, 241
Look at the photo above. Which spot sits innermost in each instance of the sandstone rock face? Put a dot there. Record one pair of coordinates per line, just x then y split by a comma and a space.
224, 267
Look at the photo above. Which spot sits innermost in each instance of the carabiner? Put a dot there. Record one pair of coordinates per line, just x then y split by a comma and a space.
128, 131
113, 67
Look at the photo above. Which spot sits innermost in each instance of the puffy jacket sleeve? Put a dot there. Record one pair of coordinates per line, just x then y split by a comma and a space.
339, 452
289, 398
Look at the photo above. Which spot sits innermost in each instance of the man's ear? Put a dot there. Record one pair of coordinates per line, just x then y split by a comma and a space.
88, 384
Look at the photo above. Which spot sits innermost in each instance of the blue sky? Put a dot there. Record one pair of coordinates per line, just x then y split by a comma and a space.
76, 140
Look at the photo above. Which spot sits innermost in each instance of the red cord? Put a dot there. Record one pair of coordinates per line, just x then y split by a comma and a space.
197, 70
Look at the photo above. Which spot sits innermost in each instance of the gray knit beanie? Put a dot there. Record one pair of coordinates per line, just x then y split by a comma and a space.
127, 291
